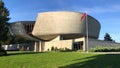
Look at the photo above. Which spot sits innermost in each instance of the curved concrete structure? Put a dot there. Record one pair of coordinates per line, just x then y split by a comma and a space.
52, 24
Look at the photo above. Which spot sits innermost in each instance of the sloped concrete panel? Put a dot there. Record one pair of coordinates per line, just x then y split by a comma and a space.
17, 29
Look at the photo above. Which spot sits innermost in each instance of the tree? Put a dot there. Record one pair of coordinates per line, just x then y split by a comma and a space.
4, 31
107, 37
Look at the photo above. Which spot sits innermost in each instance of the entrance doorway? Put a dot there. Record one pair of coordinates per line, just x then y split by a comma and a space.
78, 45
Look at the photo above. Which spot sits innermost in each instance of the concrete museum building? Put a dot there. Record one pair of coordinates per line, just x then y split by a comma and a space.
61, 29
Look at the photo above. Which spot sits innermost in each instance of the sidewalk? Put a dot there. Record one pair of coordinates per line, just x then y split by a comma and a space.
108, 52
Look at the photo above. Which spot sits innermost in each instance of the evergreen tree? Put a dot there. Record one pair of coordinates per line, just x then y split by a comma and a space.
107, 37
4, 18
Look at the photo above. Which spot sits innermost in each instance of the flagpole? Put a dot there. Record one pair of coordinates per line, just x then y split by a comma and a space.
87, 31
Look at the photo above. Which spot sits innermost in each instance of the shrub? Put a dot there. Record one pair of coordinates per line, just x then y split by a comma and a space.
105, 49
48, 50
64, 50
22, 48
67, 50
56, 49
52, 48
60, 49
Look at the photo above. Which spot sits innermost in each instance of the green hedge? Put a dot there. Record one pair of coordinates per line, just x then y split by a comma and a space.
60, 49
105, 49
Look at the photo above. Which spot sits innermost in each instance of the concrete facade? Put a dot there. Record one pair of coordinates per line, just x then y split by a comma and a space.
49, 25
61, 29
92, 43
47, 45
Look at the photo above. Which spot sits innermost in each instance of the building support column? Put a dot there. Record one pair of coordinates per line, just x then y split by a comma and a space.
84, 44
42, 46
39, 46
36, 47
73, 41
40, 50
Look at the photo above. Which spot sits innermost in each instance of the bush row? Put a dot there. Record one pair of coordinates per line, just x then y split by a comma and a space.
105, 49
60, 49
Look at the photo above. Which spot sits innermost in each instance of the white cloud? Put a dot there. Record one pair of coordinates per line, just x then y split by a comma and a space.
99, 9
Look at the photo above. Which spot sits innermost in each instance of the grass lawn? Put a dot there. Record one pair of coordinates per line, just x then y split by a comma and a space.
59, 60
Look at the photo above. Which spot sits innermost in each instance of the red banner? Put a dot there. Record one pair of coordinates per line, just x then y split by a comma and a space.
83, 16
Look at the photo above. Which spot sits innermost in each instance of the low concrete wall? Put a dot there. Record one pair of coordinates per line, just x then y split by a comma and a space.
96, 43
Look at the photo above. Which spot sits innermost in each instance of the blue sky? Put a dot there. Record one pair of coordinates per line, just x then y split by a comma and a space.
107, 12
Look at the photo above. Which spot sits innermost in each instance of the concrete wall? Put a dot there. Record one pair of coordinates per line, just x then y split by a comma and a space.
100, 43
61, 44
58, 44
92, 43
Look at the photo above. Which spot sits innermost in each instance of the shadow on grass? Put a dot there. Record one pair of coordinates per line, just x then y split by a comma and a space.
22, 53
99, 61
